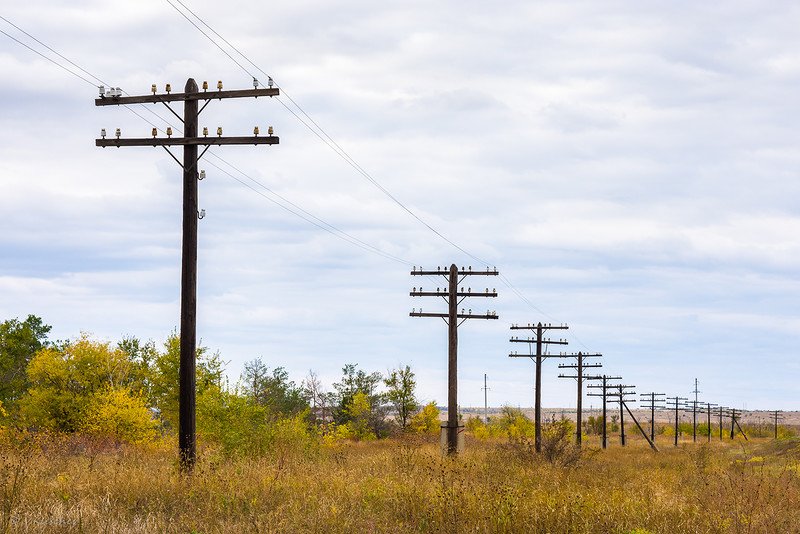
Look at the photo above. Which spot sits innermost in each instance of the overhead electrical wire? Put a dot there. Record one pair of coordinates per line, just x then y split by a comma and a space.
262, 190
320, 133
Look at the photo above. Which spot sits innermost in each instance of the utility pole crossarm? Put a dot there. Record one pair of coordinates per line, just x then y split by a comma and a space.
420, 293
184, 141
462, 272
491, 315
183, 97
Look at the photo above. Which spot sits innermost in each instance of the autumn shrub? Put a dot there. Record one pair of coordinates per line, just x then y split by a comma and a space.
426, 421
120, 414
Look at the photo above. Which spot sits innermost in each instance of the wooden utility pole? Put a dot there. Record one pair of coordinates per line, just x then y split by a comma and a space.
453, 296
777, 415
539, 341
649, 441
579, 376
190, 142
675, 402
603, 387
692, 405
694, 411
721, 411
735, 423
653, 401
708, 418
485, 389
620, 394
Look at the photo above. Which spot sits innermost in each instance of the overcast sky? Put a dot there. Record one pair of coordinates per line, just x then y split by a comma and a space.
630, 167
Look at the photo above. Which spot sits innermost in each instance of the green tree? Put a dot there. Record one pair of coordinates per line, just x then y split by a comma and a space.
19, 341
359, 412
354, 382
165, 378
400, 393
142, 358
272, 390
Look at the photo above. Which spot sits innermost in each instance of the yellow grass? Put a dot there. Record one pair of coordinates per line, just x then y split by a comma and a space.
397, 486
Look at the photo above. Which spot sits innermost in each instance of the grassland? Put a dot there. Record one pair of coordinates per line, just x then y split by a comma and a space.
59, 484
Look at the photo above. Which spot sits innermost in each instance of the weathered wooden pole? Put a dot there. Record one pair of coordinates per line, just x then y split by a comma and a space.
452, 361
186, 387
579, 414
537, 409
649, 441
605, 442
621, 416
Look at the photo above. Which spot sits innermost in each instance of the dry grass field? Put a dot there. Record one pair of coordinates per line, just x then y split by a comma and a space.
71, 484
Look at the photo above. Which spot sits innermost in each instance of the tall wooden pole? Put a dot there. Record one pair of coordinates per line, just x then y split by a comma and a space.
605, 443
621, 416
186, 402
677, 428
653, 417
452, 362
485, 400
190, 142
579, 417
537, 415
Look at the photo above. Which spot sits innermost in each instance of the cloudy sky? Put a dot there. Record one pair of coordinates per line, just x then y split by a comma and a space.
631, 168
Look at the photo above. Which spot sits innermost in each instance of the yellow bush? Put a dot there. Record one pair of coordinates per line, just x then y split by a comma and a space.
118, 413
426, 421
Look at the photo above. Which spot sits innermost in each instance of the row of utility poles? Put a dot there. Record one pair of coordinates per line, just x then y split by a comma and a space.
452, 293
537, 344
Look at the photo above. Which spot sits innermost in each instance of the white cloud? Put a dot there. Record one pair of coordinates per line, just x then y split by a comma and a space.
630, 167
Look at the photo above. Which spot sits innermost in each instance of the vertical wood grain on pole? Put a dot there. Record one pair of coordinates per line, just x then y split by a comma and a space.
653, 417
186, 417
676, 421
579, 417
604, 413
621, 416
452, 362
538, 402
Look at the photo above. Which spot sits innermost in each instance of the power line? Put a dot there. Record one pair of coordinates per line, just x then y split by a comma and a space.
298, 211
320, 133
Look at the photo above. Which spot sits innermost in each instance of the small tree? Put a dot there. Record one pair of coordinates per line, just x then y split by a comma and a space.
426, 421
272, 390
84, 387
314, 395
401, 385
19, 341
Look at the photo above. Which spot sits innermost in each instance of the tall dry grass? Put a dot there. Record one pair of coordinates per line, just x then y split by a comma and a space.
55, 484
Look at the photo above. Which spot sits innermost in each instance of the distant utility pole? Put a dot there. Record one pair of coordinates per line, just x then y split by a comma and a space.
190, 141
653, 401
676, 402
579, 375
485, 389
539, 341
777, 415
641, 430
694, 411
453, 296
692, 405
620, 395
708, 418
721, 411
603, 387
735, 424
